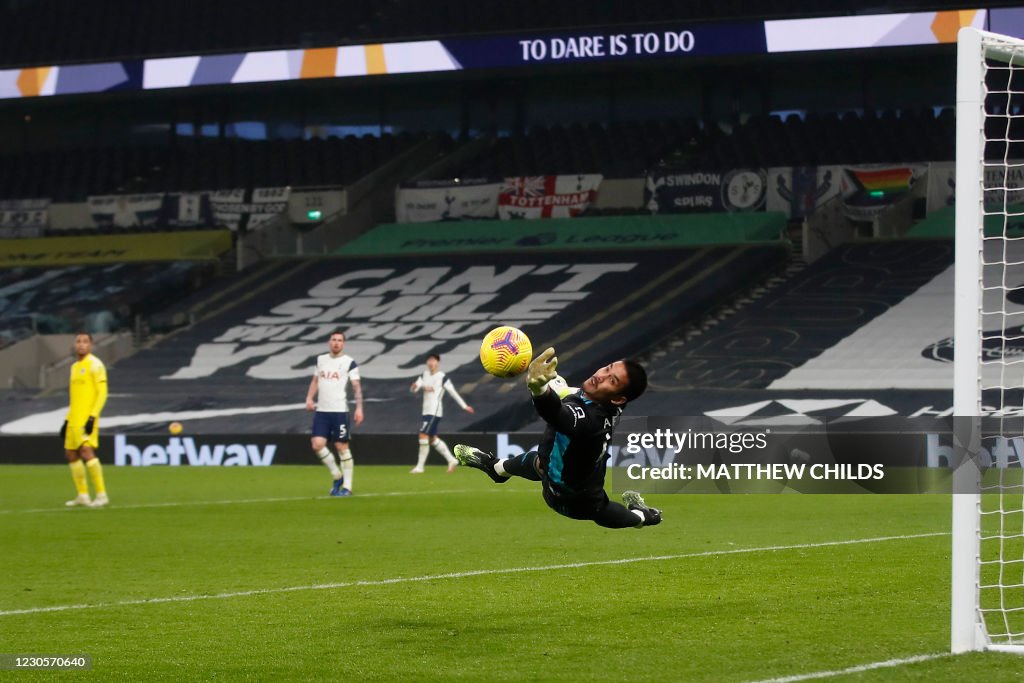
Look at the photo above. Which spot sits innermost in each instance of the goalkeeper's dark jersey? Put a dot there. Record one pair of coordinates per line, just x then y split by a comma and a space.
574, 450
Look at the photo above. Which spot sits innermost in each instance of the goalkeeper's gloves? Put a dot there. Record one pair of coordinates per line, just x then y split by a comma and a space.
64, 429
542, 370
561, 387
89, 424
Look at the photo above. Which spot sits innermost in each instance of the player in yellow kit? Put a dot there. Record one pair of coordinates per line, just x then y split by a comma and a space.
81, 430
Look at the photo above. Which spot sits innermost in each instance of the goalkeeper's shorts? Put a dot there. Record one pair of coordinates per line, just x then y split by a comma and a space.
75, 437
574, 504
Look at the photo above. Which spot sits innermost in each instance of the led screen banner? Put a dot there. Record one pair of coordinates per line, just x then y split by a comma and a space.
244, 449
870, 30
166, 246
608, 44
575, 234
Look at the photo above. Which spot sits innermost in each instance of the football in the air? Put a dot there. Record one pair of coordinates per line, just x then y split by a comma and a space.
175, 428
505, 351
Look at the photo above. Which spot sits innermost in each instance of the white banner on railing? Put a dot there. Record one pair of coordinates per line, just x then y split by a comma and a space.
231, 208
447, 200
125, 210
1003, 183
24, 216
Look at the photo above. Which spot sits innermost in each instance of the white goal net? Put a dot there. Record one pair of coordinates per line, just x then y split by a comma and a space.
988, 503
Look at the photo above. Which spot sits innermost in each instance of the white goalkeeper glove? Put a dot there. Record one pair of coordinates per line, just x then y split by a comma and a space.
561, 387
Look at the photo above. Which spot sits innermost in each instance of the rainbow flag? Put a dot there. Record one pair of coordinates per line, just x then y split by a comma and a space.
886, 180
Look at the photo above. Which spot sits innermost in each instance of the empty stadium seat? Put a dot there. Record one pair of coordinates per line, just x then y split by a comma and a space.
193, 165
59, 299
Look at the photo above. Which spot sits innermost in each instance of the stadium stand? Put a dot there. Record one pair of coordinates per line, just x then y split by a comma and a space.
722, 146
629, 149
616, 148
867, 317
254, 357
617, 151
216, 294
97, 299
197, 164
831, 138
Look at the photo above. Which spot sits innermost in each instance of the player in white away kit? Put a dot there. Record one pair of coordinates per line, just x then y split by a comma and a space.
434, 383
334, 371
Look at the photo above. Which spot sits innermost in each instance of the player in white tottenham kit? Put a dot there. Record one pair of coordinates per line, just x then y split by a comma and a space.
435, 384
334, 371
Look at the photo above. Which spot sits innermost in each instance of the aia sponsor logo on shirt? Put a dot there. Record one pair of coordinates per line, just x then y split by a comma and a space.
332, 375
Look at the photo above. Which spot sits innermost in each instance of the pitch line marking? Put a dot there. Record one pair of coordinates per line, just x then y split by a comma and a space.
889, 663
190, 503
465, 574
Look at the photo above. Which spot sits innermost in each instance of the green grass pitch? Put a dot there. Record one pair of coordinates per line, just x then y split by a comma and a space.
244, 574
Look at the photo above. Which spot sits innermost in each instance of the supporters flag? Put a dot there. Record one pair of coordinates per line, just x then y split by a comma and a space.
870, 190
124, 210
552, 196
187, 209
24, 217
244, 210
427, 201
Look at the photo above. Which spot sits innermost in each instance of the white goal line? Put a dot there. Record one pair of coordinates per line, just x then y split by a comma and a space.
462, 575
889, 663
243, 501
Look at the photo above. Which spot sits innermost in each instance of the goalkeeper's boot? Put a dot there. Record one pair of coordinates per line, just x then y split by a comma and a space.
634, 501
336, 487
81, 500
101, 501
481, 460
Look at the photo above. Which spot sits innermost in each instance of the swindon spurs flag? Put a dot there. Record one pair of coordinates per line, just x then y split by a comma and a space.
551, 196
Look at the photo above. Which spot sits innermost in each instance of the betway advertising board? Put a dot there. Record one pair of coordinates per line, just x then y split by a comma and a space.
243, 450
716, 457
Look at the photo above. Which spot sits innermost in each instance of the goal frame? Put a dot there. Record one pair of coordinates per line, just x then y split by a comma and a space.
968, 630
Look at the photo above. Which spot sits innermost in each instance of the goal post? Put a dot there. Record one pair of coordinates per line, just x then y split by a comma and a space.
987, 601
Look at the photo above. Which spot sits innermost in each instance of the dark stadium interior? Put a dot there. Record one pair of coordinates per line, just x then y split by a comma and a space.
802, 219
73, 174
617, 120
618, 150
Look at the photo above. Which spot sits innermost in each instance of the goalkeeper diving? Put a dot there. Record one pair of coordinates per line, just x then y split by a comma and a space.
572, 457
